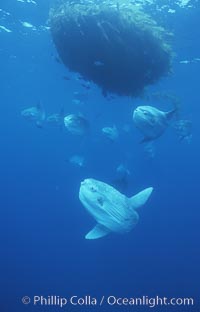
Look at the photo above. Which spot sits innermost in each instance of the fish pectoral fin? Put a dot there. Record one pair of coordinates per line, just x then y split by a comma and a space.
140, 199
97, 232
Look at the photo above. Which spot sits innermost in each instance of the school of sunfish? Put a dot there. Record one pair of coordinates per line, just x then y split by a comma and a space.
112, 210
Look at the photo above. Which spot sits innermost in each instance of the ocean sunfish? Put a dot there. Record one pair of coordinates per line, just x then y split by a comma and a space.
111, 133
113, 211
35, 114
77, 160
184, 130
151, 121
121, 179
76, 124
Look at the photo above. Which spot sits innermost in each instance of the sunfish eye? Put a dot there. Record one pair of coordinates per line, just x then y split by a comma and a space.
145, 112
92, 189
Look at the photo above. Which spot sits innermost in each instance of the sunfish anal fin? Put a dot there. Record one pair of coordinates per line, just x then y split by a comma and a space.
97, 232
39, 124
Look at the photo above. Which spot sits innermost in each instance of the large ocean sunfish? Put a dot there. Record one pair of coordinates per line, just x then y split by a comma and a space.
151, 121
113, 211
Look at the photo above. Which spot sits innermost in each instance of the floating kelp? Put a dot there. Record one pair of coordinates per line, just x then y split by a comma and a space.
118, 47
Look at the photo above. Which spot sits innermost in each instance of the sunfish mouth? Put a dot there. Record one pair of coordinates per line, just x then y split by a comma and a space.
138, 110
84, 183
84, 187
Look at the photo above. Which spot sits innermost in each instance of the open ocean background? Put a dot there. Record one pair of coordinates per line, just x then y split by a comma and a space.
43, 223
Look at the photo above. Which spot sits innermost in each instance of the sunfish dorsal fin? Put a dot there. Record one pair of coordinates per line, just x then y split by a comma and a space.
41, 110
39, 106
140, 199
170, 114
97, 232
62, 112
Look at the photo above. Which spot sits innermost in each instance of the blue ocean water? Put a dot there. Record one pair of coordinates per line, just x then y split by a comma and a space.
44, 252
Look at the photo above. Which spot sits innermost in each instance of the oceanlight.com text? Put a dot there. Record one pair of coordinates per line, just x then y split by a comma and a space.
87, 300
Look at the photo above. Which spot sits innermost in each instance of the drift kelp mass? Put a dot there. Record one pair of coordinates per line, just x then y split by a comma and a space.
117, 46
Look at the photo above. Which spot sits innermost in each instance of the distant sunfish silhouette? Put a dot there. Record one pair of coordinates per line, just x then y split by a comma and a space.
151, 121
113, 211
76, 124
35, 114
